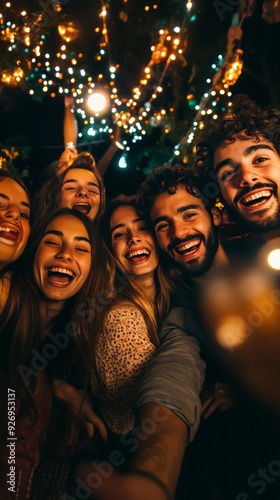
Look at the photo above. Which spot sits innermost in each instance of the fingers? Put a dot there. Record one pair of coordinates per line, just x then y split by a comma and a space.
206, 403
89, 428
211, 408
223, 404
102, 428
73, 434
227, 405
91, 419
68, 101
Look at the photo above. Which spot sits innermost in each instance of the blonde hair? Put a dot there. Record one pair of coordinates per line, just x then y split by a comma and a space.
125, 289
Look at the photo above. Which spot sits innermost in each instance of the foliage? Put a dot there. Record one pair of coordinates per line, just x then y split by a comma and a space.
14, 153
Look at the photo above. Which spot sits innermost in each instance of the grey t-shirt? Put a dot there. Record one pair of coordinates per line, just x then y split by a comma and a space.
174, 377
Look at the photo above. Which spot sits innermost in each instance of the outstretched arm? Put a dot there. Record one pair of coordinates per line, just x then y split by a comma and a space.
168, 400
163, 437
70, 126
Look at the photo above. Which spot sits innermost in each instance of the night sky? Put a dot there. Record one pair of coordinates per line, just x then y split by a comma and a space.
40, 121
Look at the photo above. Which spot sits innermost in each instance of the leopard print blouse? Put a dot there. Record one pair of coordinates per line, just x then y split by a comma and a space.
123, 349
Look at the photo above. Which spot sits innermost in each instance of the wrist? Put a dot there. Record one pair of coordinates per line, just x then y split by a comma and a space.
150, 476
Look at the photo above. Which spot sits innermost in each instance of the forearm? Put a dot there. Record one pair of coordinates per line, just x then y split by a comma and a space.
70, 126
163, 437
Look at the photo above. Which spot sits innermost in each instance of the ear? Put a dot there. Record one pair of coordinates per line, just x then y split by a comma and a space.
216, 216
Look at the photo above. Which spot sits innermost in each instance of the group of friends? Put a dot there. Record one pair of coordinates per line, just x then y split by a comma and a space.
111, 388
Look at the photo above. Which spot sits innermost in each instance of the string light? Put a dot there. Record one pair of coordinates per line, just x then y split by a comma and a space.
63, 72
234, 69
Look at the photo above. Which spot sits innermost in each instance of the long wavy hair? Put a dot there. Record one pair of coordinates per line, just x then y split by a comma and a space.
18, 320
78, 309
74, 361
47, 198
125, 287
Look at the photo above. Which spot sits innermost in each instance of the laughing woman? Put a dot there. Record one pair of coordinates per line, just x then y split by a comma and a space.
80, 186
60, 258
66, 269
128, 333
17, 332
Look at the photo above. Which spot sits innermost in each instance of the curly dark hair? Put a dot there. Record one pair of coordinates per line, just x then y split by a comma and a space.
245, 116
169, 178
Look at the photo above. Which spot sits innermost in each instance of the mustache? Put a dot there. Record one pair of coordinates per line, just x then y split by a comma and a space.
178, 241
258, 185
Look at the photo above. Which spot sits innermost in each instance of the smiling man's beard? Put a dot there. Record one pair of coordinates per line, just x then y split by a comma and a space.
195, 268
263, 224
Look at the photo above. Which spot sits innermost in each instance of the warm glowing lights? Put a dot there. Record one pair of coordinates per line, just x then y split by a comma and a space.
234, 69
273, 259
68, 31
231, 332
97, 102
62, 71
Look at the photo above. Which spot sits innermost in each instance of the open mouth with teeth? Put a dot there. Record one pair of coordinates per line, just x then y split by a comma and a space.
138, 256
59, 276
256, 199
8, 235
82, 207
189, 248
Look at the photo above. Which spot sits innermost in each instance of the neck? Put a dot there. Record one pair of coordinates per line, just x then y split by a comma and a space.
48, 313
221, 260
147, 285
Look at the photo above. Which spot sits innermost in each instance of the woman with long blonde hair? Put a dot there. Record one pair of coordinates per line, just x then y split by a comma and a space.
127, 329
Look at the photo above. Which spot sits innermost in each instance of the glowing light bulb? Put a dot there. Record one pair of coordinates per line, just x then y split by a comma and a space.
234, 69
273, 259
97, 102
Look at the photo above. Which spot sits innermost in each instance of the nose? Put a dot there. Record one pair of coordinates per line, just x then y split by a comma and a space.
179, 229
12, 213
133, 237
248, 176
82, 192
64, 254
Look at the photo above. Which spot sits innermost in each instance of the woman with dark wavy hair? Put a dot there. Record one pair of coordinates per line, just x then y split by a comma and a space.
50, 339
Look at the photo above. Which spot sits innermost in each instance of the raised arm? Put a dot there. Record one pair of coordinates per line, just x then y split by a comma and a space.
70, 134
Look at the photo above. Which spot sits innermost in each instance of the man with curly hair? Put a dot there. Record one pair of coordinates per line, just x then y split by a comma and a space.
242, 151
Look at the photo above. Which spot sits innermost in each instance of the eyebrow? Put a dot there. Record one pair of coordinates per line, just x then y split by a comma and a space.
123, 225
60, 234
247, 152
178, 211
76, 180
24, 203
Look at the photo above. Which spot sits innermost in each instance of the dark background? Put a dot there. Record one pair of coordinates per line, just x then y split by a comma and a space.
41, 121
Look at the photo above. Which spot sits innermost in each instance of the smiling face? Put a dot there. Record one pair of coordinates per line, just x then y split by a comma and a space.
248, 173
184, 230
80, 190
133, 243
14, 221
63, 259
